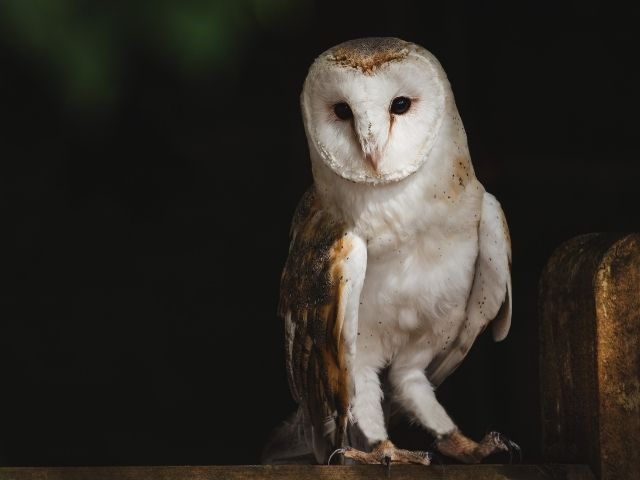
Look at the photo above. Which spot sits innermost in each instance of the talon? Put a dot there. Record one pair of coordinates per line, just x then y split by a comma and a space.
457, 446
508, 445
339, 451
498, 440
387, 461
514, 447
432, 456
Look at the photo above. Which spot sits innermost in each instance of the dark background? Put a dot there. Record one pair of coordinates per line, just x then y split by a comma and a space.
152, 154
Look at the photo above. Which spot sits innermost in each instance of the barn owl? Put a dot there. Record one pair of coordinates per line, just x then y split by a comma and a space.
398, 259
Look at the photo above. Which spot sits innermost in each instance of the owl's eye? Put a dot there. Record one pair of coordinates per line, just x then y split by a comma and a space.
400, 105
342, 111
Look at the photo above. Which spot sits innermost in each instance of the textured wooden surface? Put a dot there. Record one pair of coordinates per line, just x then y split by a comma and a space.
590, 354
302, 472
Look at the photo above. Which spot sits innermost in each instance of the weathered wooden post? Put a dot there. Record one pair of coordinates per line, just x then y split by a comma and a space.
590, 354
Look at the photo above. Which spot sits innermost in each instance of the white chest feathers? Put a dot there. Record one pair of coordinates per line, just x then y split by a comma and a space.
419, 289
418, 278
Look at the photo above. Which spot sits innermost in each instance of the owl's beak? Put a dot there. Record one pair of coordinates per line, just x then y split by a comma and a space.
373, 159
371, 149
372, 133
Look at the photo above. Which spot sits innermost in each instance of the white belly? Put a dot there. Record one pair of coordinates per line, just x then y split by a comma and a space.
415, 294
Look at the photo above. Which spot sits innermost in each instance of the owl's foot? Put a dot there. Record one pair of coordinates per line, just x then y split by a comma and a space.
457, 446
386, 453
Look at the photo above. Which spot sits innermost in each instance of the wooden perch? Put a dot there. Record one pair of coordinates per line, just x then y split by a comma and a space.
590, 354
305, 472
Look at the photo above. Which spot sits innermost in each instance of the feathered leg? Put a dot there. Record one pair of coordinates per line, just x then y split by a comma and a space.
369, 416
416, 395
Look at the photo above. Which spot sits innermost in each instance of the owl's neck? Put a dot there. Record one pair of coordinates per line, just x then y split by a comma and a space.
392, 213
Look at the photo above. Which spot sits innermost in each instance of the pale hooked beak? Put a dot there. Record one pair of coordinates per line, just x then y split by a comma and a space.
373, 159
370, 149
372, 135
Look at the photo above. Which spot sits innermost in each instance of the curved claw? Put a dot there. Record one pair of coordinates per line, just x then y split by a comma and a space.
433, 456
514, 447
511, 446
338, 451
386, 460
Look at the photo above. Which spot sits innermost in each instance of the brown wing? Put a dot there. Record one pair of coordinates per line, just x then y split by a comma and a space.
319, 300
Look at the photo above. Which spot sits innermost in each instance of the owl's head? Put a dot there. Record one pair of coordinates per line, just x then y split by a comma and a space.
372, 108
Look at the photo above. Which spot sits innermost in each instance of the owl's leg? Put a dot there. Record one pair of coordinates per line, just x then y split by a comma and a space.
415, 393
368, 414
367, 404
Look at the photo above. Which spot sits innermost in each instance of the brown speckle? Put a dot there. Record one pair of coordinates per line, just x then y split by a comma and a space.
368, 54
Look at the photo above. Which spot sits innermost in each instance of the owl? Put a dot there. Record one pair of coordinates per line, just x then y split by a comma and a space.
398, 260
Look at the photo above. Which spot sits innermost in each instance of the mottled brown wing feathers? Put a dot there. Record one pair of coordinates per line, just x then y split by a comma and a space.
312, 301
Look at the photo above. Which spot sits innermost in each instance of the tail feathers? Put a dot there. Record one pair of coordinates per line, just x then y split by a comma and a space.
288, 445
297, 442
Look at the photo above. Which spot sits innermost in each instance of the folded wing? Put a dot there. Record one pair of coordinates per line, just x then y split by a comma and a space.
319, 300
490, 297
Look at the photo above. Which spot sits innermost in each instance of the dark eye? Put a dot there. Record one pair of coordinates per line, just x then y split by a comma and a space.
342, 111
400, 105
